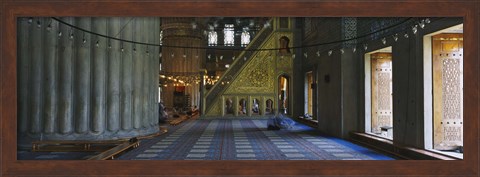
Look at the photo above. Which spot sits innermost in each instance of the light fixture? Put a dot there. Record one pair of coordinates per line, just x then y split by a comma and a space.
354, 49
365, 46
60, 34
405, 35
49, 27
415, 29
330, 53
342, 51
305, 54
422, 24
427, 20
318, 53
384, 41
160, 54
97, 44
30, 20
395, 37
39, 24
71, 35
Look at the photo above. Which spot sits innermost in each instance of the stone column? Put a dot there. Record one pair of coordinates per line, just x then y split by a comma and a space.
184, 61
74, 85
99, 60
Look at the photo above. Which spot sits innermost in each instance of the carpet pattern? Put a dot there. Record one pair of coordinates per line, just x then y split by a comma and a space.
246, 139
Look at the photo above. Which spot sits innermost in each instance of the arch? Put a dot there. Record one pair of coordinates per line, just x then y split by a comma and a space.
229, 110
242, 106
283, 93
284, 41
255, 106
269, 107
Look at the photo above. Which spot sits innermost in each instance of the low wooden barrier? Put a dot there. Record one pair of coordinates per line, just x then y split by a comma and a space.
113, 152
72, 145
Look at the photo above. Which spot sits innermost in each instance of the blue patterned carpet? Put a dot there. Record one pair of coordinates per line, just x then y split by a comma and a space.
246, 139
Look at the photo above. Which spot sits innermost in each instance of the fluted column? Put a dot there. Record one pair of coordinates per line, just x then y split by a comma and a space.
127, 76
179, 32
65, 77
51, 78
73, 85
36, 77
99, 56
82, 76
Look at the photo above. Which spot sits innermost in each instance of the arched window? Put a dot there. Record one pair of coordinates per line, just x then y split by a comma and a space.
256, 107
242, 107
245, 38
212, 38
229, 35
284, 49
283, 97
228, 106
269, 107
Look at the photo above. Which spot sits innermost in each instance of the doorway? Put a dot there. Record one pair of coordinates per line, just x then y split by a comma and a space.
443, 91
447, 90
309, 87
283, 97
378, 93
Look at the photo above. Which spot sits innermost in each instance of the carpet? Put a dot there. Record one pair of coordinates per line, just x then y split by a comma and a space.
246, 139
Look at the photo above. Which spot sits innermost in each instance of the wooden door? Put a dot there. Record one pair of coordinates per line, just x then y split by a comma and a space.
447, 73
381, 84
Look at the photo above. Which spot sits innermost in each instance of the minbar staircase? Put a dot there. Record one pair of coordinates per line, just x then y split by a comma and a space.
236, 67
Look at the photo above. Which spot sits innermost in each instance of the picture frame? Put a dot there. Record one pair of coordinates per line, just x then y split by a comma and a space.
10, 10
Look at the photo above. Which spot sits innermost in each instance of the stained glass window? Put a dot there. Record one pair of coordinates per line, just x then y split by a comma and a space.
245, 38
229, 35
212, 38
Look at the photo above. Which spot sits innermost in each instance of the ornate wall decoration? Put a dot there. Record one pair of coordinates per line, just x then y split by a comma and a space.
381, 91
349, 30
447, 90
384, 93
451, 99
216, 109
451, 88
258, 75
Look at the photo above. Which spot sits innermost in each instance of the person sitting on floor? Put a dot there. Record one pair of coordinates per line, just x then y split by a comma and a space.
280, 122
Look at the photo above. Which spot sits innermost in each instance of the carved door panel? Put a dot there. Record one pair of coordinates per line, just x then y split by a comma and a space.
381, 69
447, 73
